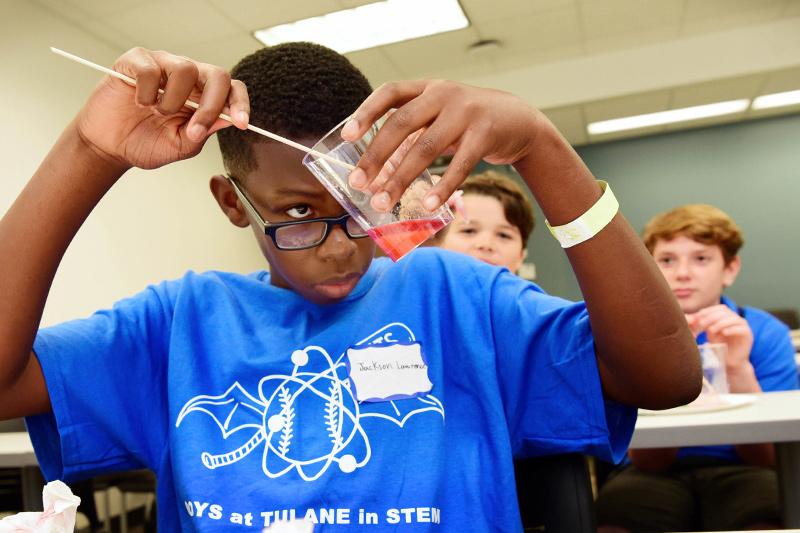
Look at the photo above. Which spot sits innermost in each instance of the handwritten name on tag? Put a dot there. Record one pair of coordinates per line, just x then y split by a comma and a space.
394, 372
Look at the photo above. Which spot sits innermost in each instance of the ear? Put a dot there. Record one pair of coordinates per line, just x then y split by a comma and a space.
730, 271
228, 201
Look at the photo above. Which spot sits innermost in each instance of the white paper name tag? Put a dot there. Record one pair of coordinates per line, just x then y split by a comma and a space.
393, 372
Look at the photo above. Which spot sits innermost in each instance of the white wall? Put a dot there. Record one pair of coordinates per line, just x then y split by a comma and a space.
153, 225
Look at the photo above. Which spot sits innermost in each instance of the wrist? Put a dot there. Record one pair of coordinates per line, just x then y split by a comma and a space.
741, 377
86, 153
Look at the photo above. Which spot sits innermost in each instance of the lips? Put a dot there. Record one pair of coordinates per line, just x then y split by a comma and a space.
683, 293
338, 287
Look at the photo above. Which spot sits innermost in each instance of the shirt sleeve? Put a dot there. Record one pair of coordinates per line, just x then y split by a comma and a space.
549, 377
105, 378
772, 355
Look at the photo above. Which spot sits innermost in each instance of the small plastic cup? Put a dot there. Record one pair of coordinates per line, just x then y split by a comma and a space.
713, 357
397, 231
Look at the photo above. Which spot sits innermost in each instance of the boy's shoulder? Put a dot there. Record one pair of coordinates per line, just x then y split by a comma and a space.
759, 319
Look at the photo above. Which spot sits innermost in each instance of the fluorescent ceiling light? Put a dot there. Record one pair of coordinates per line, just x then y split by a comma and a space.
668, 117
776, 100
371, 25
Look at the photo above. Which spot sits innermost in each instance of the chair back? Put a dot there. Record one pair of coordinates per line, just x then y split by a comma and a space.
13, 425
555, 494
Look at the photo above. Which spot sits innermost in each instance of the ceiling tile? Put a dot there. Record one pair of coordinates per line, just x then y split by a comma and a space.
781, 81
430, 55
256, 14
609, 18
635, 39
375, 66
792, 9
225, 52
701, 9
705, 16
537, 33
625, 106
717, 91
120, 39
487, 11
170, 25
465, 73
67, 11
569, 121
100, 8
532, 57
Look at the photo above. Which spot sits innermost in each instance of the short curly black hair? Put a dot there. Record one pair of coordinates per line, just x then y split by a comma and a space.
297, 90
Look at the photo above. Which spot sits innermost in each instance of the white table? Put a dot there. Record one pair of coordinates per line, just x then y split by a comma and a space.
773, 417
16, 451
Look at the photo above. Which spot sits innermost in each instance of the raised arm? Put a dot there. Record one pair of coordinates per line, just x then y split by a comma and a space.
118, 128
645, 351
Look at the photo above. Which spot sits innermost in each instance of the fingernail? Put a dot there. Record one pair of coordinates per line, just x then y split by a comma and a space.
380, 200
431, 202
358, 178
196, 132
243, 117
350, 130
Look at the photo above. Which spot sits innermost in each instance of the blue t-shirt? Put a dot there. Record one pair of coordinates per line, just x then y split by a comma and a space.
772, 357
244, 398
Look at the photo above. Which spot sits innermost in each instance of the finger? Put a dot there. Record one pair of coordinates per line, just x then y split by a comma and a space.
395, 130
377, 104
456, 203
181, 77
425, 149
711, 315
738, 330
238, 109
358, 178
464, 160
239, 104
216, 86
140, 65
723, 323
393, 163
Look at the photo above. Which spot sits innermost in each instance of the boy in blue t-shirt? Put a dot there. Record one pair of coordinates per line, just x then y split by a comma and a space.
708, 488
349, 392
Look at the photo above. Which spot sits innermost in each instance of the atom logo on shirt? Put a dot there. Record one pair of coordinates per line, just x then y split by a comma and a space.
308, 419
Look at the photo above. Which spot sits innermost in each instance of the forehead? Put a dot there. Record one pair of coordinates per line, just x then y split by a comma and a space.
487, 209
280, 172
682, 244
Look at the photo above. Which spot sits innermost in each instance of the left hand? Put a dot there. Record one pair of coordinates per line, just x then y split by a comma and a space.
446, 117
722, 324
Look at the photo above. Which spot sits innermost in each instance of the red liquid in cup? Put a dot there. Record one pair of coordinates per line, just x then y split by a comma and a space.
399, 238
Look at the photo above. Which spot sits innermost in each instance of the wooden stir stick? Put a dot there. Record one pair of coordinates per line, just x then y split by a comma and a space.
195, 105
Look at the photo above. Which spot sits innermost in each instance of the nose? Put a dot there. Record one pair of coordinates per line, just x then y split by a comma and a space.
337, 246
484, 243
682, 270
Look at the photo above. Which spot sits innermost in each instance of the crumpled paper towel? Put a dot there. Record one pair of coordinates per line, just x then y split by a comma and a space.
60, 509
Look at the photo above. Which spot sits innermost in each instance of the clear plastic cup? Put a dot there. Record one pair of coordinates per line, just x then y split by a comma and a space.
713, 357
397, 231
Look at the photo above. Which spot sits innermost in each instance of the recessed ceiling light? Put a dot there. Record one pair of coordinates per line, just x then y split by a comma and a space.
667, 117
370, 25
776, 100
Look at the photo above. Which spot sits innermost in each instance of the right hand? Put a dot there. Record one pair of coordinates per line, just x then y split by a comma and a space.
135, 126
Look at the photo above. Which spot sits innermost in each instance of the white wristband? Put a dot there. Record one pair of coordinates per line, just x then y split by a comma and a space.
590, 223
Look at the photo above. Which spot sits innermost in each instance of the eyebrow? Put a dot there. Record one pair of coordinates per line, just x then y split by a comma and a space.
299, 192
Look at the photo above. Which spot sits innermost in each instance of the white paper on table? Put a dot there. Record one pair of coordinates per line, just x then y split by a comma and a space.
60, 510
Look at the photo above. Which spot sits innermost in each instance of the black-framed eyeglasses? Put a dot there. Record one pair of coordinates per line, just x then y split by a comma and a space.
298, 234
